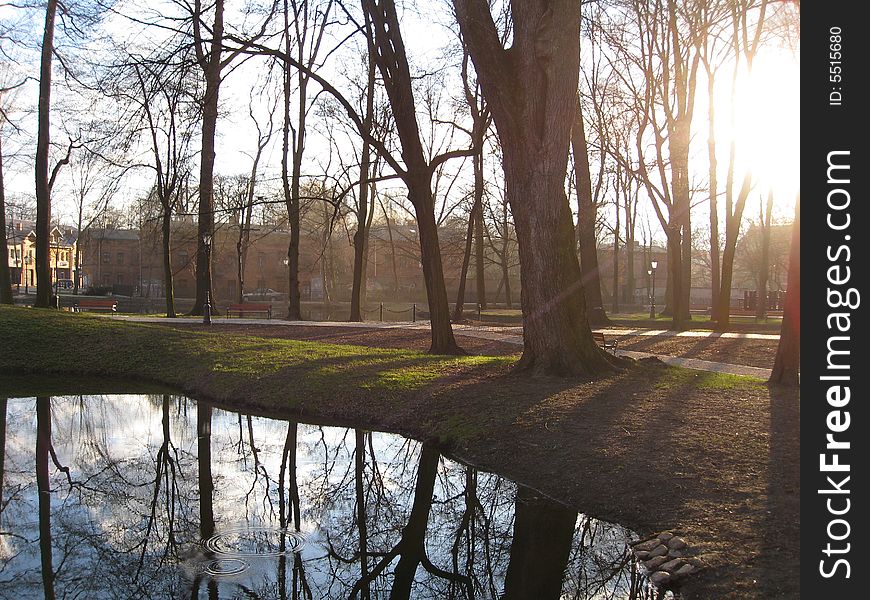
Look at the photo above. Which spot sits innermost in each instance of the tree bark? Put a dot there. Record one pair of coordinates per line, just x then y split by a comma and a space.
786, 366
586, 216
211, 66
392, 63
360, 237
531, 89
5, 277
43, 142
166, 232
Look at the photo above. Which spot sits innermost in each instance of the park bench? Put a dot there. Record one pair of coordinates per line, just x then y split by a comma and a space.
250, 308
598, 338
107, 304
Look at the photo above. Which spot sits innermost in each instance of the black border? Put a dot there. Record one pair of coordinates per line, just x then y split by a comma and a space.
827, 128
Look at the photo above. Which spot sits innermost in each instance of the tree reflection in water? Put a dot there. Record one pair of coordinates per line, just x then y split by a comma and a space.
149, 479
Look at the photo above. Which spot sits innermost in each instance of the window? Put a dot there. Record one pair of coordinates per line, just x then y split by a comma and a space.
120, 278
120, 258
106, 279
107, 258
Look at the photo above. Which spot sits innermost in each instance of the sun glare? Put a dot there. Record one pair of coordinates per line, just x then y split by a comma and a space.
767, 127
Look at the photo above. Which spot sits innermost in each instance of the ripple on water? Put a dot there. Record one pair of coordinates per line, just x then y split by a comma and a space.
224, 567
255, 541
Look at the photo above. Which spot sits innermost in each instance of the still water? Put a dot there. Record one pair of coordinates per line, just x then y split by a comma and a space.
158, 496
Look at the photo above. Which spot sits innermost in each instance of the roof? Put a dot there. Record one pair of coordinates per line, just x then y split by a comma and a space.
113, 234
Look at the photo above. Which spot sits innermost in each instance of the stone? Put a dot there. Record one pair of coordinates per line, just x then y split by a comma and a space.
660, 577
675, 553
660, 550
653, 564
671, 565
665, 536
641, 554
676, 543
647, 545
685, 570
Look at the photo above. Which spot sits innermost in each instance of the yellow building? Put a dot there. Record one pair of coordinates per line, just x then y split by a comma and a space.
21, 252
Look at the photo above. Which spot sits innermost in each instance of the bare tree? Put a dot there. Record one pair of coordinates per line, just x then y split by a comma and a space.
531, 89
43, 141
745, 42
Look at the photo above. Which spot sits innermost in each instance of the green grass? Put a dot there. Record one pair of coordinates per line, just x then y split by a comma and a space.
673, 377
224, 366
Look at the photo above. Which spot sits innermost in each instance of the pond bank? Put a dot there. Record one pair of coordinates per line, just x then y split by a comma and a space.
711, 457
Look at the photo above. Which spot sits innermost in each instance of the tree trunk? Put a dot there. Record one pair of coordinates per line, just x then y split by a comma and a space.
412, 545
786, 366
395, 72
5, 277
459, 309
764, 270
586, 216
732, 233
479, 258
205, 227
531, 89
540, 549
443, 341
43, 486
43, 143
714, 201
205, 481
166, 231
363, 218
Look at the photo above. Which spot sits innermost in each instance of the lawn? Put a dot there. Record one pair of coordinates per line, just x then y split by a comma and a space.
714, 458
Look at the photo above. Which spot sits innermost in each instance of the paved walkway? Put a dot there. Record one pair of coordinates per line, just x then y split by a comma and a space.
510, 335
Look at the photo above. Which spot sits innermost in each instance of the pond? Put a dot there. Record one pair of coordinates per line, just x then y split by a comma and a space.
158, 496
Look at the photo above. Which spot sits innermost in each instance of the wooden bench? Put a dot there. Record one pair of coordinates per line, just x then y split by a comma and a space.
598, 338
250, 308
107, 304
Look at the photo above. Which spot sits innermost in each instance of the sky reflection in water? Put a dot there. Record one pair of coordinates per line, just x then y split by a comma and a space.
161, 497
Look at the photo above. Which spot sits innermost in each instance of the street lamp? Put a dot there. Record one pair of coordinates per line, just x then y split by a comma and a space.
206, 309
652, 302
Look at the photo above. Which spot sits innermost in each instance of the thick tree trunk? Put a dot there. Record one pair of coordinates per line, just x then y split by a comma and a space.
786, 366
531, 89
586, 216
675, 276
43, 142
541, 546
556, 333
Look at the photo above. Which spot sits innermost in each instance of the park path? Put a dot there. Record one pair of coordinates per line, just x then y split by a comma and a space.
511, 335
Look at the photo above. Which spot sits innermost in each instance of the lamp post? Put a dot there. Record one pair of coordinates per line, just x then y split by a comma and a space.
206, 309
652, 300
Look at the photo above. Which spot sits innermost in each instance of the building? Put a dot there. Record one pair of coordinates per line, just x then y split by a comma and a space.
21, 252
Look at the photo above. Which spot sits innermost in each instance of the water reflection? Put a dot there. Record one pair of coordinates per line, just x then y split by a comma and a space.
160, 497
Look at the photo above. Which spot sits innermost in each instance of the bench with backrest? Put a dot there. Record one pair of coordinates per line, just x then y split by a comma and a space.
107, 304
249, 308
598, 338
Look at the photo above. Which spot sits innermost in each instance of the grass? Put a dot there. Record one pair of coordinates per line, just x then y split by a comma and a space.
51, 342
711, 456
